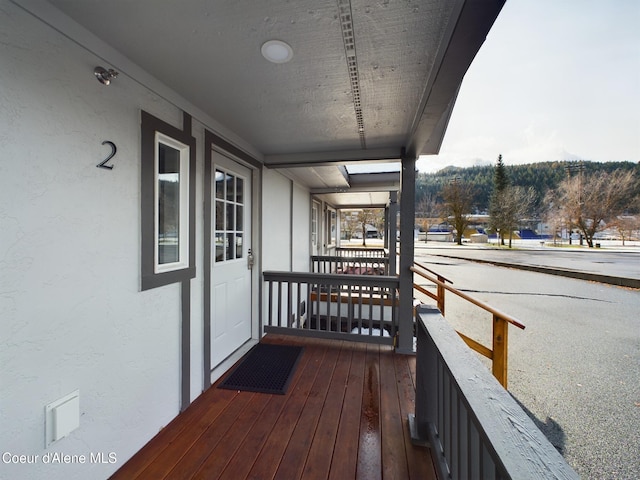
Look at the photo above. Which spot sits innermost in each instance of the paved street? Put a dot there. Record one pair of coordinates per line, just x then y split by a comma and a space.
576, 367
607, 261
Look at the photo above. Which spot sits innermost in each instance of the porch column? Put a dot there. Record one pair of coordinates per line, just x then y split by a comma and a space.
392, 232
407, 224
386, 227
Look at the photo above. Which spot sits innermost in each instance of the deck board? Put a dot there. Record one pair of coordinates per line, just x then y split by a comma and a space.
405, 375
318, 462
369, 442
271, 454
211, 459
192, 454
175, 439
344, 416
345, 452
393, 447
299, 445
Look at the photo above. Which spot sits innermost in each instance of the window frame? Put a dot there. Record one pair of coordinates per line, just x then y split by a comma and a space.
239, 229
154, 132
183, 222
332, 221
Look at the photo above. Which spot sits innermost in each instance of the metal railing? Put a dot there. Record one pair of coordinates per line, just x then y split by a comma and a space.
339, 306
498, 354
356, 265
474, 427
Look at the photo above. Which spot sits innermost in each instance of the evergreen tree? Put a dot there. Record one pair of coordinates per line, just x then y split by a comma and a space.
542, 176
500, 179
497, 210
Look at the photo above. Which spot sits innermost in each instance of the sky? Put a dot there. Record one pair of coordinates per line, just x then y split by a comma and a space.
554, 80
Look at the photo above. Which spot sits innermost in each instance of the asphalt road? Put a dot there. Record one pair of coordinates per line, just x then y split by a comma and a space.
607, 262
576, 367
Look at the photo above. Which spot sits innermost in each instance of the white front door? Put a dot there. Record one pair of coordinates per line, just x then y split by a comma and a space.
231, 246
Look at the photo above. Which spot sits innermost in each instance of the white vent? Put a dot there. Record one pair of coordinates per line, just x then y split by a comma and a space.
62, 417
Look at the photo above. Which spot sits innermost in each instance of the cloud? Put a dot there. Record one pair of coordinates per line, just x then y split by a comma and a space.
530, 144
534, 95
537, 145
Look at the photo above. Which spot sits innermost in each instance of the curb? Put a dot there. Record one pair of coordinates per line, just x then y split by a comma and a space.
591, 277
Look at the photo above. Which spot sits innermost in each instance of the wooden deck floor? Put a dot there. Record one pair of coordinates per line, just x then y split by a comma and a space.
344, 416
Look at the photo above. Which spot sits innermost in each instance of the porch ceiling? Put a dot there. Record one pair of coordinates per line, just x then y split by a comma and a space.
363, 190
331, 103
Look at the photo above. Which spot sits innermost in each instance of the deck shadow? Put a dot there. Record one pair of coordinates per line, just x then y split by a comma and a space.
549, 427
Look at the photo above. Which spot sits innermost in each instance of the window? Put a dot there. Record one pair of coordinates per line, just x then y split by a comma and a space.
314, 224
168, 217
228, 215
171, 204
331, 227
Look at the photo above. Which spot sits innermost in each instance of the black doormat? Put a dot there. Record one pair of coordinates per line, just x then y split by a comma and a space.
267, 368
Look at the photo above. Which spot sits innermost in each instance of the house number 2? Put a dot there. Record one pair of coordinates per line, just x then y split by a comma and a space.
111, 155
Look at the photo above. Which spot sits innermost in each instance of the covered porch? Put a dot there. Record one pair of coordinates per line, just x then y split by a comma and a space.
260, 151
361, 411
343, 416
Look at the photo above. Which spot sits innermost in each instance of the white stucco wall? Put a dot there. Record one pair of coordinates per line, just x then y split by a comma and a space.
286, 223
72, 315
276, 221
301, 228
286, 211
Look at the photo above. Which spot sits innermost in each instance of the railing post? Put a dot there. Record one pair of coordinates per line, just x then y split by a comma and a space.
426, 400
440, 291
500, 349
392, 233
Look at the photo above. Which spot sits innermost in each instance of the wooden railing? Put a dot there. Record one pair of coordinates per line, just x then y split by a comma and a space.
498, 354
473, 426
439, 295
360, 252
357, 265
339, 306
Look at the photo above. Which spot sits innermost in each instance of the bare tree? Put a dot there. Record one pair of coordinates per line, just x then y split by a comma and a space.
427, 208
458, 198
627, 226
588, 202
350, 222
515, 202
553, 214
554, 220
369, 216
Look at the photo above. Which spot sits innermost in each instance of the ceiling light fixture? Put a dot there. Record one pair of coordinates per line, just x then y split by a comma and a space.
277, 51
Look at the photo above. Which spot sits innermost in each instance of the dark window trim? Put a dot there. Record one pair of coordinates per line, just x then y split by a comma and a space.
149, 126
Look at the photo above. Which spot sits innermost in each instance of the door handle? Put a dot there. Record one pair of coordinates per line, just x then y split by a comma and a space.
250, 260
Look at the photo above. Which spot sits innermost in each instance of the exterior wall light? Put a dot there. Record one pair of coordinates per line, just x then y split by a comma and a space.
105, 76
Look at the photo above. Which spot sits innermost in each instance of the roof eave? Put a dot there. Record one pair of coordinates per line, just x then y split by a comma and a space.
467, 36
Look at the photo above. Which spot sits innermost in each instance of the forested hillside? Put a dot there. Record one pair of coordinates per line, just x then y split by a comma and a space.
541, 176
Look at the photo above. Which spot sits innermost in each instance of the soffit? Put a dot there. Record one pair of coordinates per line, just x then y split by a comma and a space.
348, 199
312, 110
